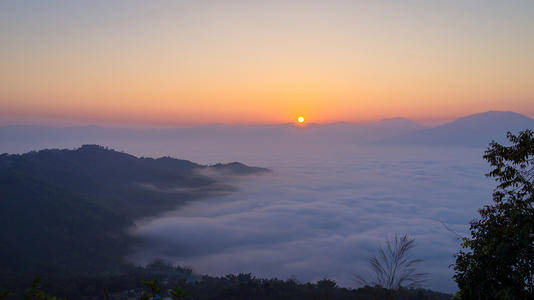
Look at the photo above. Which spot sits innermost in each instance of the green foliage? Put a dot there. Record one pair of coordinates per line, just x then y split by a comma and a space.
497, 261
35, 292
178, 293
154, 290
142, 284
177, 283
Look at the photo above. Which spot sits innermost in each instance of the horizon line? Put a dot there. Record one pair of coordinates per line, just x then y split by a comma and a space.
147, 125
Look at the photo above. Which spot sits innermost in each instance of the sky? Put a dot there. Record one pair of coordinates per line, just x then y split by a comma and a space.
250, 62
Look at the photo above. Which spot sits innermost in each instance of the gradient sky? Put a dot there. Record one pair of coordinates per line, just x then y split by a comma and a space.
190, 62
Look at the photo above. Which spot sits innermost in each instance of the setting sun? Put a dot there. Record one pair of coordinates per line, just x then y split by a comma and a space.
300, 119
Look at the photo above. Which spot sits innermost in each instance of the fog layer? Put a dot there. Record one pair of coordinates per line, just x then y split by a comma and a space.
335, 193
323, 210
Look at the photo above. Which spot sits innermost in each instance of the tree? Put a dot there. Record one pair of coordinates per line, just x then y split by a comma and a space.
34, 292
4, 294
154, 290
497, 261
178, 293
393, 267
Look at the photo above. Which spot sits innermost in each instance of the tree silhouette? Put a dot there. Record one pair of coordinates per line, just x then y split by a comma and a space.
392, 266
498, 260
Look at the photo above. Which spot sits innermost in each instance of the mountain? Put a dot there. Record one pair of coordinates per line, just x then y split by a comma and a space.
390, 127
475, 130
236, 169
46, 229
19, 138
68, 211
342, 132
402, 124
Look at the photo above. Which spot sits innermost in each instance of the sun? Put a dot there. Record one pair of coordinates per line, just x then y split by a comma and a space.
300, 119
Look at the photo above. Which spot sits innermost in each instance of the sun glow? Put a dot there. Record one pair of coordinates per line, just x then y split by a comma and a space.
300, 119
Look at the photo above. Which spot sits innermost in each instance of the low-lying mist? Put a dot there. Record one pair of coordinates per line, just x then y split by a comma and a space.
335, 192
323, 210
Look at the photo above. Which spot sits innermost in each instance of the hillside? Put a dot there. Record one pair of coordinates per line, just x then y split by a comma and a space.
68, 210
46, 229
242, 286
123, 183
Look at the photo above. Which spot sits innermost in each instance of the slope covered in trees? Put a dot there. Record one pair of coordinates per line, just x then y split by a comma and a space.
137, 281
67, 211
48, 229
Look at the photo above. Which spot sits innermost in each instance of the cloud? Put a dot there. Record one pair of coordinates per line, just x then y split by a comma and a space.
323, 210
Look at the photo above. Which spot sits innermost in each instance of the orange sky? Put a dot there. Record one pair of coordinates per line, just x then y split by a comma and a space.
193, 62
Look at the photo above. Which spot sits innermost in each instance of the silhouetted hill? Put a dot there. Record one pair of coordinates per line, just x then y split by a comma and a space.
397, 124
118, 181
24, 138
237, 168
204, 287
95, 165
475, 130
46, 229
68, 210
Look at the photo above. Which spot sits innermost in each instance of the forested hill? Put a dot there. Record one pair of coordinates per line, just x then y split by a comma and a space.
68, 210
123, 183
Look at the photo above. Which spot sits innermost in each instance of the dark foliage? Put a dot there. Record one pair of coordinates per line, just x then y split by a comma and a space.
46, 229
66, 211
497, 261
236, 168
178, 283
118, 181
393, 267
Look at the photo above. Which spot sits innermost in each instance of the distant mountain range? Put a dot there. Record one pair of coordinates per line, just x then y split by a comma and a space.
473, 131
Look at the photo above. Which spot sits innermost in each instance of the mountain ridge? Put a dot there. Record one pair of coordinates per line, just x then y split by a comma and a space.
288, 124
475, 130
68, 210
471, 130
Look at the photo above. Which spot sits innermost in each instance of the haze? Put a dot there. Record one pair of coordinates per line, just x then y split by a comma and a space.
323, 210
191, 62
335, 192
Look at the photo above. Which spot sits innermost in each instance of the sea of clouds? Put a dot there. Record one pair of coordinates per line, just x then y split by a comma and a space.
335, 192
329, 201
322, 211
